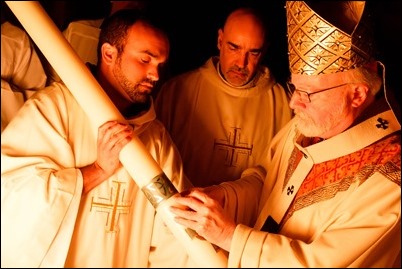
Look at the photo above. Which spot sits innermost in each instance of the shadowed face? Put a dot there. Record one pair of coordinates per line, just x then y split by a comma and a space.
241, 45
136, 70
325, 105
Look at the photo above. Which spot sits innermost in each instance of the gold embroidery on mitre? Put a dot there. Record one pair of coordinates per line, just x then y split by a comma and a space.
318, 47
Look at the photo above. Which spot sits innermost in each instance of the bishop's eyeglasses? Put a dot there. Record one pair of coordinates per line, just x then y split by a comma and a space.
305, 96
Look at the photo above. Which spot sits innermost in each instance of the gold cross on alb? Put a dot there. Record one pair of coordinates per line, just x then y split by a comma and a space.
112, 207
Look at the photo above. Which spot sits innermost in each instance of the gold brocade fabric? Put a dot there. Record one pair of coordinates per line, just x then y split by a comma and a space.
316, 46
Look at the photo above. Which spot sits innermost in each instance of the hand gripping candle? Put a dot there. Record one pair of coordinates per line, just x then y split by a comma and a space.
135, 158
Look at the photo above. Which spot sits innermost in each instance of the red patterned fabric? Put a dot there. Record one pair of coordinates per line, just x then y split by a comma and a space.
328, 178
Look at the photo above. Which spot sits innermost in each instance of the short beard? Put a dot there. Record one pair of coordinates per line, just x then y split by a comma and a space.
132, 90
310, 127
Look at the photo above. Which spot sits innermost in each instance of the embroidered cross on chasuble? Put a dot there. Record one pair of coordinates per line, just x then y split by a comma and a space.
234, 147
113, 205
328, 178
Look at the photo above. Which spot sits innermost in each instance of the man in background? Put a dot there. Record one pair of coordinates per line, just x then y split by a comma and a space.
223, 114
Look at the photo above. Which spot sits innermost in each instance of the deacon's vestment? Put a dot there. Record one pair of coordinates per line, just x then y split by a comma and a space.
22, 72
45, 219
338, 201
220, 130
83, 35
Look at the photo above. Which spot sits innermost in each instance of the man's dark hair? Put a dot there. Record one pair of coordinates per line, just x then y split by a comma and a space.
114, 28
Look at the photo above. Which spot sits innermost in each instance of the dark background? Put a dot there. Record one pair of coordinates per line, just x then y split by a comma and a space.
192, 27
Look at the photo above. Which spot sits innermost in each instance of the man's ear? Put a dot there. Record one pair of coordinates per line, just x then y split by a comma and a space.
109, 53
360, 94
220, 37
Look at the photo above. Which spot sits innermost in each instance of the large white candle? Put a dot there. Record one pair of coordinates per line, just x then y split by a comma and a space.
136, 159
